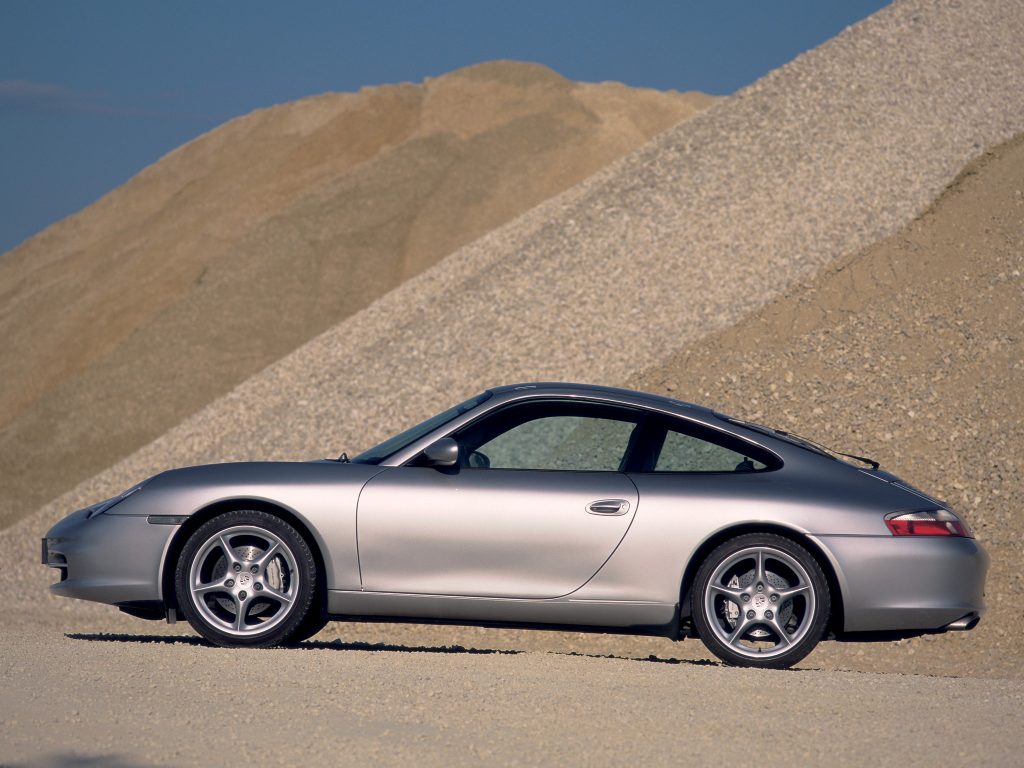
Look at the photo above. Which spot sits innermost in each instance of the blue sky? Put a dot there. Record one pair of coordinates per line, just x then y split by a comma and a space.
92, 92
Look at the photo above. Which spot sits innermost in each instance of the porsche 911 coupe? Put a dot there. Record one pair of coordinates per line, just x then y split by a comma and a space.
547, 506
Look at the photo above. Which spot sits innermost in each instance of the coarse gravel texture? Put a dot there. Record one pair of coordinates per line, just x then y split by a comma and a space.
910, 352
90, 699
680, 240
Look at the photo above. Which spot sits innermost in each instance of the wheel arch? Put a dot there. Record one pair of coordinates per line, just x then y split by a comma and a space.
204, 514
836, 619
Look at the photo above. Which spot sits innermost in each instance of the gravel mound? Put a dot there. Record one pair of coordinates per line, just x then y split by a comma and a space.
911, 352
705, 224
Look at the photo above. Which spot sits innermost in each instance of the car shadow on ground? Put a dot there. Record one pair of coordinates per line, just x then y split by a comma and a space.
340, 645
75, 760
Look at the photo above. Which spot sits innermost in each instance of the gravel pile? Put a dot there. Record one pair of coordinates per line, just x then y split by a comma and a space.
911, 352
681, 239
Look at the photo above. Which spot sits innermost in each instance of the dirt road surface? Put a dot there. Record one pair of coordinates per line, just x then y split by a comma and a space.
166, 699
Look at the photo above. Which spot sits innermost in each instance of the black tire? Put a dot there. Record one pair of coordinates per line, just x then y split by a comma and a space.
289, 574
789, 594
317, 617
311, 626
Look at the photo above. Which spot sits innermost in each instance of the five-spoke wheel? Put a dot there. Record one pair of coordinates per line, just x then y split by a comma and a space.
760, 600
246, 578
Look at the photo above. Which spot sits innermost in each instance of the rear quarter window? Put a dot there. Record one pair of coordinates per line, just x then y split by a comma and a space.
695, 448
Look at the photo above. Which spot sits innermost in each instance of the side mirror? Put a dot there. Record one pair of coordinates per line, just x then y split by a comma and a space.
442, 453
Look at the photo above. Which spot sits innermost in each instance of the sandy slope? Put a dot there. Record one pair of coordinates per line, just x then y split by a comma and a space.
243, 244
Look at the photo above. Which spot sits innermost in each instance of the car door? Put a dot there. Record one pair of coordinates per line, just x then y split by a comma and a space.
537, 505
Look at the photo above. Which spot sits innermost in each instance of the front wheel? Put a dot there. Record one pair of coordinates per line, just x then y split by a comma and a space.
760, 600
246, 578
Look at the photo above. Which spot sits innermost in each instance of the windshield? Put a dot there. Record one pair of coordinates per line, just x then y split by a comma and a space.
803, 442
392, 445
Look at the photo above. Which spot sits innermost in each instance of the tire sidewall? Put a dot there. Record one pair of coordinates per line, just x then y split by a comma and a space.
304, 601
822, 607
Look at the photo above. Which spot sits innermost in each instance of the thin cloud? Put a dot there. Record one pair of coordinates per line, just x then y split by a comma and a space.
30, 97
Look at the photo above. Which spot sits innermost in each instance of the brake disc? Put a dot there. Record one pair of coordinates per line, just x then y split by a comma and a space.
786, 609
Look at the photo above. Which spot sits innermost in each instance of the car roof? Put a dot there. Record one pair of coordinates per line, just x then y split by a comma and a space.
500, 396
615, 394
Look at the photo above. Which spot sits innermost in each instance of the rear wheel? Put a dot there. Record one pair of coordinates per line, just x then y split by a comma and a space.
247, 578
760, 600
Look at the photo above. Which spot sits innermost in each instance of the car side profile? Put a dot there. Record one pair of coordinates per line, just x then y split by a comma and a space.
549, 506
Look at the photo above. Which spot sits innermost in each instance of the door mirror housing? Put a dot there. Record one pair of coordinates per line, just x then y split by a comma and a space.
442, 453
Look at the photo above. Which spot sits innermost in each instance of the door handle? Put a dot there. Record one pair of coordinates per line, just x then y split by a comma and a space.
608, 507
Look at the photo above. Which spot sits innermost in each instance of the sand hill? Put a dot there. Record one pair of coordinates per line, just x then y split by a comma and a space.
685, 238
243, 244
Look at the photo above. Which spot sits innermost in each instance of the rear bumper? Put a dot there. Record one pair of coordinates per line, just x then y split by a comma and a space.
107, 559
911, 584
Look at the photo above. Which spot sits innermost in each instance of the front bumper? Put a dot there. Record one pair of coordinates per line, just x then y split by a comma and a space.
907, 583
110, 559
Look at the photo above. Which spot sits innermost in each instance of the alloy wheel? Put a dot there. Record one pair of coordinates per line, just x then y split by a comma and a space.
244, 580
760, 602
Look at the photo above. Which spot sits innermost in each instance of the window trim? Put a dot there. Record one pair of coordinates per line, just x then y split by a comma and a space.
648, 417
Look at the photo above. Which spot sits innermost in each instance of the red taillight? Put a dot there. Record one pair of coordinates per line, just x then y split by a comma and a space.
927, 522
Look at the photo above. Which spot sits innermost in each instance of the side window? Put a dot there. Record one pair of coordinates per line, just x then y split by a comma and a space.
686, 453
560, 442
551, 435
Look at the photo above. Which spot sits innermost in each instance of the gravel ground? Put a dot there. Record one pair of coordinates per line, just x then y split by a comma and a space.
340, 704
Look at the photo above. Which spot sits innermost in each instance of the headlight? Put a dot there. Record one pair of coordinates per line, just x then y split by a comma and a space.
103, 506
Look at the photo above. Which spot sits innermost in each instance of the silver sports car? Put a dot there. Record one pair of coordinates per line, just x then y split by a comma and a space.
546, 506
